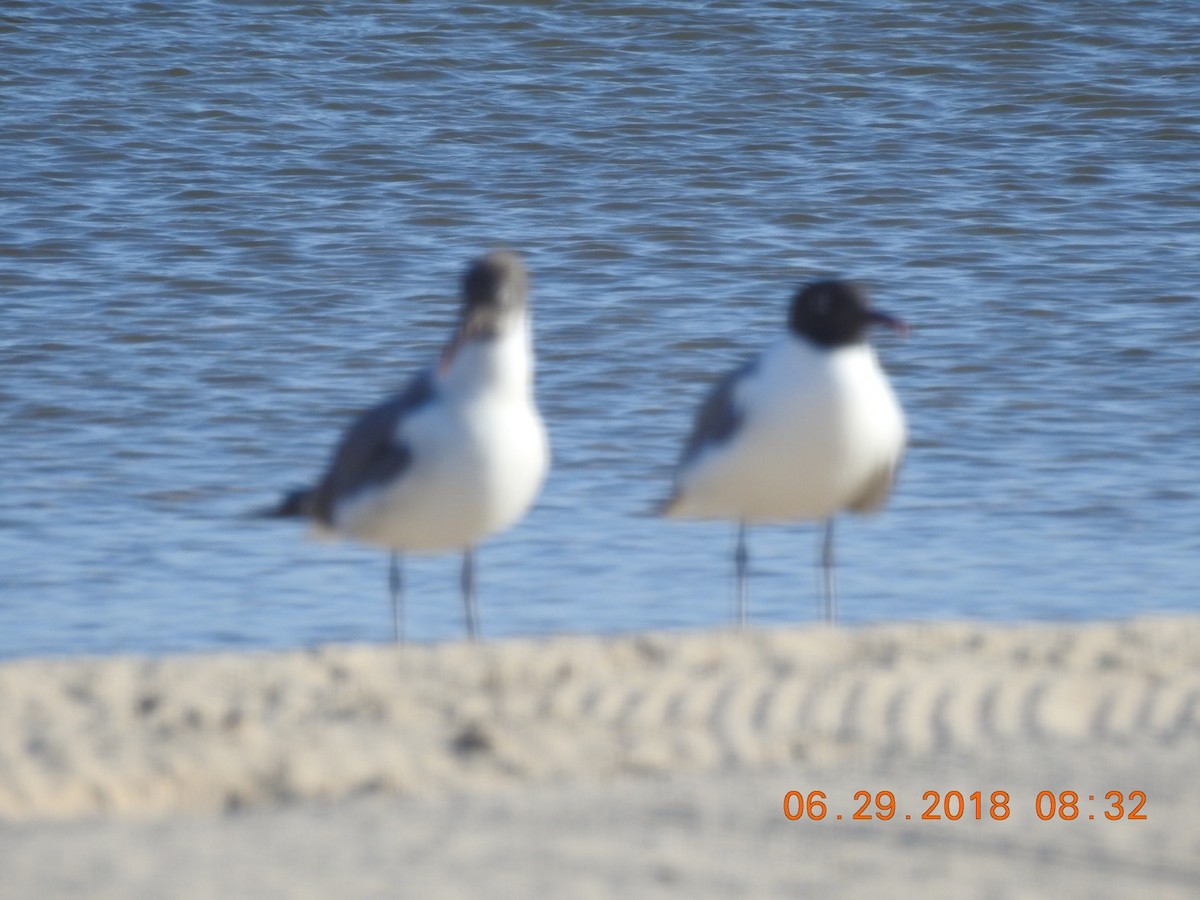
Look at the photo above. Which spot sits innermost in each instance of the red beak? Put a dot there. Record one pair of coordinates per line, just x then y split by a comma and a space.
897, 325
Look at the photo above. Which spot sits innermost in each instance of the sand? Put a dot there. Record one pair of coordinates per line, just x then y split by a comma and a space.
647, 765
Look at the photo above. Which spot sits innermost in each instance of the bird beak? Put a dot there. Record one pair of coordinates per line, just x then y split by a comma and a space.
897, 325
460, 337
447, 358
476, 324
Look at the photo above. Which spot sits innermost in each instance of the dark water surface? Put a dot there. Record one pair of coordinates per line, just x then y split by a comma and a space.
225, 227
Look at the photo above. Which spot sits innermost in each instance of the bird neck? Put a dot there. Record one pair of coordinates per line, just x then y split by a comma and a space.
500, 364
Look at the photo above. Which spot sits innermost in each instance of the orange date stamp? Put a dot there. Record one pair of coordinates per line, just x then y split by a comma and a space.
976, 806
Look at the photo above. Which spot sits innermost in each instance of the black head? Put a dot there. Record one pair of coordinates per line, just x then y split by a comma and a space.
495, 291
835, 313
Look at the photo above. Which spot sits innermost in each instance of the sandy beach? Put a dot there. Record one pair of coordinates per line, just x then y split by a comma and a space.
641, 765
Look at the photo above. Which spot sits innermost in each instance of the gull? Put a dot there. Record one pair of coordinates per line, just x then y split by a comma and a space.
808, 429
457, 456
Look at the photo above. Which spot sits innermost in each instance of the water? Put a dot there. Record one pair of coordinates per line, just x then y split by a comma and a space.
225, 227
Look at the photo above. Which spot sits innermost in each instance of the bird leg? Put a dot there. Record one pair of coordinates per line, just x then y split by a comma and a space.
827, 574
396, 587
468, 592
741, 565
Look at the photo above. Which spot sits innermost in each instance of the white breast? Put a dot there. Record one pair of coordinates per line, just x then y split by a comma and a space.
479, 456
818, 427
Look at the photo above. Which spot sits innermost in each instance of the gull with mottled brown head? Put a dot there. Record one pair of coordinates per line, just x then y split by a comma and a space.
457, 456
805, 431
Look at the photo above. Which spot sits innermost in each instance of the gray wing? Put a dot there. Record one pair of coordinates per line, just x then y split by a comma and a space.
719, 417
369, 453
717, 420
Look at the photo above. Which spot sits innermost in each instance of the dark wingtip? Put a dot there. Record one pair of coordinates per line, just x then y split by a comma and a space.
662, 509
295, 504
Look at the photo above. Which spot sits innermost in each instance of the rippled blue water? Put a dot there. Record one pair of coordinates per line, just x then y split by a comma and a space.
225, 227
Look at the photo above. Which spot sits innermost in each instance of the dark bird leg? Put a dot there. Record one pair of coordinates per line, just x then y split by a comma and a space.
741, 565
827, 574
396, 587
468, 592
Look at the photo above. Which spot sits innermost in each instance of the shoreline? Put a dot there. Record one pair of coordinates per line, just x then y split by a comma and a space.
215, 731
652, 750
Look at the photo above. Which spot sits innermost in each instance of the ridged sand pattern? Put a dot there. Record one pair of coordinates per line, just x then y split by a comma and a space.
211, 732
